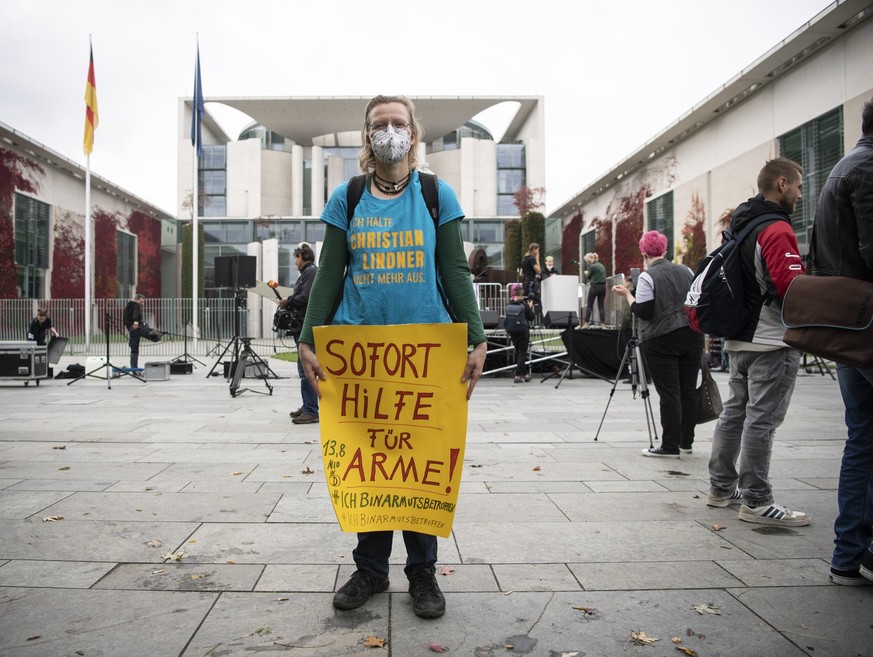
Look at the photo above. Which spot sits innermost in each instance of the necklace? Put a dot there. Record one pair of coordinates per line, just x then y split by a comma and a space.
389, 187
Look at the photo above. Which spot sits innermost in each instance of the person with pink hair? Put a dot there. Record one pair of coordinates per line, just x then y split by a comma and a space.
671, 348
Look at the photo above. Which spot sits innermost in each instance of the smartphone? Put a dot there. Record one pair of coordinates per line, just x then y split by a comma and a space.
635, 276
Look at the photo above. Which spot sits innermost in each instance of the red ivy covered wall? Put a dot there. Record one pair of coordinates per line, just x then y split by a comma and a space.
105, 255
570, 244
16, 173
693, 248
68, 258
148, 232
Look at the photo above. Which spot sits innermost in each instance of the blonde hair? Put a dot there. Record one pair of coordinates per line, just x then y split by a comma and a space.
591, 257
366, 159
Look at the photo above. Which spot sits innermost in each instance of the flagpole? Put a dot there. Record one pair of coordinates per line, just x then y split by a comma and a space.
196, 142
87, 253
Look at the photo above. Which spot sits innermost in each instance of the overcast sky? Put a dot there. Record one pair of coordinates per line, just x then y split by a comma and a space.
613, 74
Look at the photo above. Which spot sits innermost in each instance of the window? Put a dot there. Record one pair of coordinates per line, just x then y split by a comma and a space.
659, 213
511, 177
31, 245
126, 264
589, 241
817, 146
212, 181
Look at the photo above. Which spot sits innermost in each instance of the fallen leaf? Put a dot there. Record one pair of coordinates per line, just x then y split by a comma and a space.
436, 647
570, 654
373, 642
707, 608
475, 465
687, 651
536, 468
231, 561
154, 543
160, 571
237, 474
60, 447
308, 470
587, 610
509, 646
676, 639
262, 631
34, 638
66, 467
175, 556
282, 599
52, 518
198, 576
445, 570
639, 637
717, 527
193, 540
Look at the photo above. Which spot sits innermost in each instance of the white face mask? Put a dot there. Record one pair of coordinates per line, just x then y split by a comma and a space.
390, 146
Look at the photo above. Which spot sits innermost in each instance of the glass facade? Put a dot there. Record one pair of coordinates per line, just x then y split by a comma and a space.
659, 215
31, 225
511, 177
212, 181
817, 146
126, 263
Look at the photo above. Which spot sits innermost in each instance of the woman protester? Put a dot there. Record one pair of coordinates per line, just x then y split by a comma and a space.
596, 277
391, 135
671, 349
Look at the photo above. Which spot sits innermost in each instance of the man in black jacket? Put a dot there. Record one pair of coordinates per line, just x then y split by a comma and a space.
137, 328
304, 258
842, 245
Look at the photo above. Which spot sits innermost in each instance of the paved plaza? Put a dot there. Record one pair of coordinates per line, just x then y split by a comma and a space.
561, 545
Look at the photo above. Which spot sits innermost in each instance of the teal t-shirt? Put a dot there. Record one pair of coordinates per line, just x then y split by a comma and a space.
392, 256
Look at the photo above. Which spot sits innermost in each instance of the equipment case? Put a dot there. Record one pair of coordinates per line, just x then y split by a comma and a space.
23, 361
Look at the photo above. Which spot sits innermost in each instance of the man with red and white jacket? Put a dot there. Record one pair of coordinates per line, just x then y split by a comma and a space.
763, 369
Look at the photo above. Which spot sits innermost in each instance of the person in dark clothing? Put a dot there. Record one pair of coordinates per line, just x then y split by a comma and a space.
763, 368
596, 279
549, 269
39, 326
521, 339
842, 245
530, 273
304, 258
137, 328
671, 348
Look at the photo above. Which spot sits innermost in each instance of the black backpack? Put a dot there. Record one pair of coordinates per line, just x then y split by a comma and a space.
715, 303
516, 320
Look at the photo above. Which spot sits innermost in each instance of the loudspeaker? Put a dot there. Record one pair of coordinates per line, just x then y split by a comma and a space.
560, 319
490, 319
235, 271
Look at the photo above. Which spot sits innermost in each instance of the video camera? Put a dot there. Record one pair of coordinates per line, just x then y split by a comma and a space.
288, 319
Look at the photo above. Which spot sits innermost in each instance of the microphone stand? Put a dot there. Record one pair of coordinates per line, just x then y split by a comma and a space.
111, 370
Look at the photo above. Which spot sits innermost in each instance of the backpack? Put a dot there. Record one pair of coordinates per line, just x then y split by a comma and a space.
715, 303
515, 321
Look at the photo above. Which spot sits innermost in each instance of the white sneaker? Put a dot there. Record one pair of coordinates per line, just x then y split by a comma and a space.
774, 514
686, 450
722, 501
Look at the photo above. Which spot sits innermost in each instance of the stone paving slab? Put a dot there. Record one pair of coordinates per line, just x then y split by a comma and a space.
548, 519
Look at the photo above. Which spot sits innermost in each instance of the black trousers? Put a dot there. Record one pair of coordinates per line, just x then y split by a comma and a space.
521, 341
596, 291
673, 361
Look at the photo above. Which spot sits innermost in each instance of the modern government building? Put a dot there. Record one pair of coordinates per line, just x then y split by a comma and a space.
261, 191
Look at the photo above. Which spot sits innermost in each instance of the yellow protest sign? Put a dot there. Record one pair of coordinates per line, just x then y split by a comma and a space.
393, 416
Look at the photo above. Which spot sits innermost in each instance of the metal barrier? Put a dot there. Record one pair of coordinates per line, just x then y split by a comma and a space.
216, 325
491, 296
615, 307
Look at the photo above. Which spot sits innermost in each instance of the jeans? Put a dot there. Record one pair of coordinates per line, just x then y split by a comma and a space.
673, 361
307, 392
374, 548
761, 383
853, 527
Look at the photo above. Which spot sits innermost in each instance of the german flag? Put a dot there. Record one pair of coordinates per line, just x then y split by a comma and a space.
91, 118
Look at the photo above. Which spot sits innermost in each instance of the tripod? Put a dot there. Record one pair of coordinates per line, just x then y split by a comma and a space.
634, 359
185, 357
242, 357
111, 370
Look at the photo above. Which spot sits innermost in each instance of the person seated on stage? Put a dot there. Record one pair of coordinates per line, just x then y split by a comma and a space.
595, 276
518, 330
549, 269
137, 328
672, 350
39, 326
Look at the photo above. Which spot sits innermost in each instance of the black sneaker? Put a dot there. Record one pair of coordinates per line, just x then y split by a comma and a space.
659, 452
427, 599
361, 585
866, 568
848, 577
